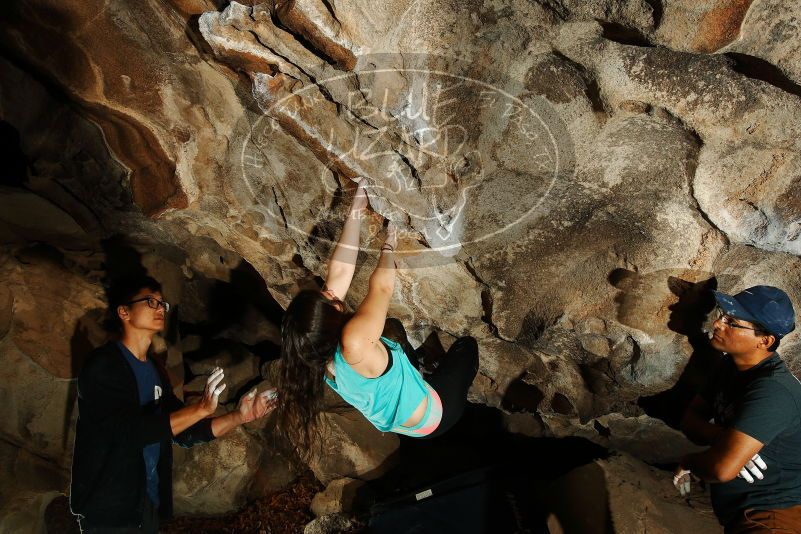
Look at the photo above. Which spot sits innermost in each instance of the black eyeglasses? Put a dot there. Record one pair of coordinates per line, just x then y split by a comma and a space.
729, 321
153, 302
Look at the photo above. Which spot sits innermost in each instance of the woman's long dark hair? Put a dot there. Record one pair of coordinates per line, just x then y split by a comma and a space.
310, 332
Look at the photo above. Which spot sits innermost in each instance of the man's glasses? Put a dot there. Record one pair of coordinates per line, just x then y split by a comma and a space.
153, 302
730, 322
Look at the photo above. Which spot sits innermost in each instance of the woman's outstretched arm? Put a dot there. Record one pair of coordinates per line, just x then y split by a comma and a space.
361, 335
342, 264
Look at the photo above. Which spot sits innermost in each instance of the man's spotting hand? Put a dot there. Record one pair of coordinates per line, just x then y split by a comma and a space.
211, 395
253, 406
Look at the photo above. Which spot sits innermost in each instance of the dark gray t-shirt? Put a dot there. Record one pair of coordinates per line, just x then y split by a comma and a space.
765, 403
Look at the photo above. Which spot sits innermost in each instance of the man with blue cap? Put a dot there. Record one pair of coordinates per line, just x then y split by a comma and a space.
750, 416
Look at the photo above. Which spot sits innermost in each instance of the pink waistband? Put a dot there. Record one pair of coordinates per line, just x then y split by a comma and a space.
430, 423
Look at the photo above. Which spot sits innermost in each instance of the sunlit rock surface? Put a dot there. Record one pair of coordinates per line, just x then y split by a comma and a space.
627, 495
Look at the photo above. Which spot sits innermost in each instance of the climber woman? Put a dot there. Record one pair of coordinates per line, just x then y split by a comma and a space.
363, 356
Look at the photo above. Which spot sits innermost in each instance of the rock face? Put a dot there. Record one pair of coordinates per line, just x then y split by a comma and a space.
51, 322
215, 478
351, 447
635, 131
571, 179
337, 497
647, 438
640, 501
240, 366
627, 495
330, 524
30, 484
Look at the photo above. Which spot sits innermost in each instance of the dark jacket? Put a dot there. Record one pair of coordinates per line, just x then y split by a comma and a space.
108, 483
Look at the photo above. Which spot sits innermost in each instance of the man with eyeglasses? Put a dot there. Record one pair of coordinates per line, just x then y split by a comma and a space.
750, 415
129, 417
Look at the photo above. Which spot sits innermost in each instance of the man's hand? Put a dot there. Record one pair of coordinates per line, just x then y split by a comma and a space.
211, 395
252, 406
266, 402
681, 480
753, 469
360, 198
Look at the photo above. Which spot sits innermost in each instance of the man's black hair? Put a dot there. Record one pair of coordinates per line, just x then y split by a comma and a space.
121, 292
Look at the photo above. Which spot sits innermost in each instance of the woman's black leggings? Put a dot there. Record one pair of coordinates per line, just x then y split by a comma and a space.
451, 379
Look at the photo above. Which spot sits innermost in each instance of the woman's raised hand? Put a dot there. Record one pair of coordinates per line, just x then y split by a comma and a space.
360, 198
391, 241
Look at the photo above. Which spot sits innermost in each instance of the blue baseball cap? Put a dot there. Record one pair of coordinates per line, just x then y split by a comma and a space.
766, 306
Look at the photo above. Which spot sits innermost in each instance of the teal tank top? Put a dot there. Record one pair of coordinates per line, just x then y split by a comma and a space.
387, 401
